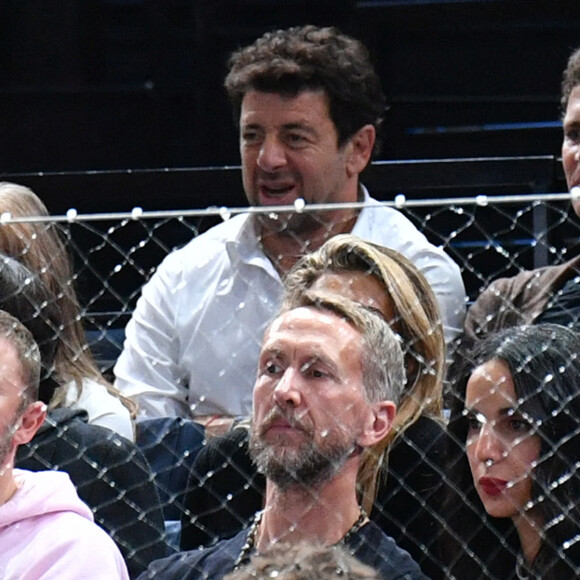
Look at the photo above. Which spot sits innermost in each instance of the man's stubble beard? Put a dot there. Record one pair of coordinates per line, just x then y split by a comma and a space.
310, 465
6, 442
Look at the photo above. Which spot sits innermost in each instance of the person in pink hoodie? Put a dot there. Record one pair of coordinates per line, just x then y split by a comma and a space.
46, 531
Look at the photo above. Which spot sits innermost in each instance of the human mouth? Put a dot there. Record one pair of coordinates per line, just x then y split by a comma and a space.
492, 486
277, 193
280, 422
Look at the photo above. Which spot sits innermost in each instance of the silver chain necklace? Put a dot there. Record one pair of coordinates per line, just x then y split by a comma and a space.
250, 542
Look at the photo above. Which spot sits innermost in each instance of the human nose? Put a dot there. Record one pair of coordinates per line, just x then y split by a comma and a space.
287, 389
488, 447
272, 154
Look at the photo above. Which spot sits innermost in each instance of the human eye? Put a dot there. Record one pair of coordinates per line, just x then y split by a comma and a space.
272, 368
474, 422
315, 370
296, 139
515, 427
572, 133
518, 424
250, 136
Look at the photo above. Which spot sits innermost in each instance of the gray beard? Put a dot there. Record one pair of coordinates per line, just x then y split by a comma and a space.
311, 466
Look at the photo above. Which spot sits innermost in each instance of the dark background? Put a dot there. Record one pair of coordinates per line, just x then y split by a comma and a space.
110, 104
91, 85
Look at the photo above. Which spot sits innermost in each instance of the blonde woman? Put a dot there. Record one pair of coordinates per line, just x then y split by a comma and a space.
39, 246
404, 470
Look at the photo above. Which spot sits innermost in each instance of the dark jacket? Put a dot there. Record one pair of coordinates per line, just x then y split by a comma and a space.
517, 300
111, 476
370, 545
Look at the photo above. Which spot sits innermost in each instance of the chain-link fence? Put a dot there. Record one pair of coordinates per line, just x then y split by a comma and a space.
115, 254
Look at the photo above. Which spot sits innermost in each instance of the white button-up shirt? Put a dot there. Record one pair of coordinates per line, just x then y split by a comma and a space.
193, 343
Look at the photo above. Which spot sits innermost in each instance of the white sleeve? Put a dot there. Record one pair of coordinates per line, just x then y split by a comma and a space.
445, 279
102, 407
147, 370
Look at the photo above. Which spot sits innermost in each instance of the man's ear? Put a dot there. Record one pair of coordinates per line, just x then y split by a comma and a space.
29, 422
381, 417
360, 150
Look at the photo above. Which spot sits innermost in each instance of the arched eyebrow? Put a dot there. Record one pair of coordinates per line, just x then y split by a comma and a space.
298, 126
504, 412
324, 361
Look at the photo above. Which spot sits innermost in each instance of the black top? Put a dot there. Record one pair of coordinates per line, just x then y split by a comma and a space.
370, 545
111, 476
225, 492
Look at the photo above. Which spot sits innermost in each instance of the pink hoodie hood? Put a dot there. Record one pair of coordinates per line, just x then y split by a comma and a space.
48, 533
42, 493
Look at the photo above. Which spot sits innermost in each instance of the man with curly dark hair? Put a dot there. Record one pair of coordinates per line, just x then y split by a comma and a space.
308, 104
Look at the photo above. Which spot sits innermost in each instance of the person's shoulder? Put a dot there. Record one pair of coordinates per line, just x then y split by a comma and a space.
58, 530
206, 253
375, 548
66, 538
514, 300
234, 442
529, 282
211, 562
43, 498
387, 226
212, 241
81, 449
376, 212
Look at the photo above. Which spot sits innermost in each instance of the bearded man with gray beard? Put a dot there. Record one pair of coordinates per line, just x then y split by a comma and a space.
329, 375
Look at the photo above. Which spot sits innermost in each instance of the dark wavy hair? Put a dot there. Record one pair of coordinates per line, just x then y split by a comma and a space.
544, 362
570, 79
311, 58
24, 296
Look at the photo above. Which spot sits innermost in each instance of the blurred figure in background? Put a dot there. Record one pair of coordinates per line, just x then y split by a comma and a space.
45, 530
110, 473
39, 246
550, 294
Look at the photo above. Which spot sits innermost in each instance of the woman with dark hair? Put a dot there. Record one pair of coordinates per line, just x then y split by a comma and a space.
520, 427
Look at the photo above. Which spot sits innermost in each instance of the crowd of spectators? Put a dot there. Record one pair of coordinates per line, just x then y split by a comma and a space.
313, 351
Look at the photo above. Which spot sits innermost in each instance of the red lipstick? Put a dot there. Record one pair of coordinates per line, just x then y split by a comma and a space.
492, 486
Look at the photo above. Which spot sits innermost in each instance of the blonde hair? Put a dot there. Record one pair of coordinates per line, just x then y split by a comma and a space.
417, 321
39, 246
303, 561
